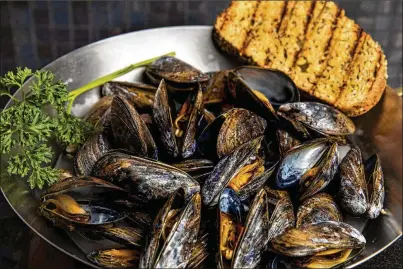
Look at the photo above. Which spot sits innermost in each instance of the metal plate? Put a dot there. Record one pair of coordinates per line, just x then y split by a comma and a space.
378, 131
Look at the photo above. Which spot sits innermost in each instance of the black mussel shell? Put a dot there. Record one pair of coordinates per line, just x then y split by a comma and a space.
139, 94
174, 70
375, 186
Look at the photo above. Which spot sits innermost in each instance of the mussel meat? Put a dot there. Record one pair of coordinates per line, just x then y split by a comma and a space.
245, 164
65, 212
177, 131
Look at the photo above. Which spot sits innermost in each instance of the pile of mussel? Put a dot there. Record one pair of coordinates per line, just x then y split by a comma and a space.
226, 169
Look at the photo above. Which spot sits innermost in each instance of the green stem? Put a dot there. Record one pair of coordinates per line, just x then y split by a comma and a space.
12, 97
102, 80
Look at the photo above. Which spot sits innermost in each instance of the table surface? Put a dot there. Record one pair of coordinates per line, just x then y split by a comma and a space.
34, 33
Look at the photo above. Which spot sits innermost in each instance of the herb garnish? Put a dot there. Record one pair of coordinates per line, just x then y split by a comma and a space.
40, 115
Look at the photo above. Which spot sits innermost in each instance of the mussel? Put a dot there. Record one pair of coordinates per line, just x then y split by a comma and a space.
85, 188
125, 235
242, 243
375, 186
324, 237
318, 208
312, 164
214, 92
178, 75
144, 178
353, 190
229, 131
99, 113
281, 212
261, 90
139, 94
65, 212
199, 169
129, 129
177, 129
115, 258
174, 233
242, 166
362, 189
95, 146
319, 117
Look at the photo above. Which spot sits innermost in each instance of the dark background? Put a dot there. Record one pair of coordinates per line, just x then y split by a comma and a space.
34, 33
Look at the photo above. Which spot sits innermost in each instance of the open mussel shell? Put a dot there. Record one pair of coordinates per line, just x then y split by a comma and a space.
318, 208
281, 212
95, 146
129, 129
139, 94
174, 70
98, 110
115, 258
319, 178
229, 131
144, 178
246, 157
172, 248
261, 90
254, 236
65, 212
199, 169
174, 142
231, 216
275, 85
375, 186
314, 238
319, 117
299, 162
352, 194
253, 186
85, 188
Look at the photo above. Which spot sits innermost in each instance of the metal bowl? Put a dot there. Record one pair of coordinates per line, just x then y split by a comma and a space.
379, 130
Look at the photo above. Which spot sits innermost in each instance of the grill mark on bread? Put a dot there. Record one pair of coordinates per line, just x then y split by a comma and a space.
352, 95
250, 34
361, 78
292, 33
237, 22
329, 85
311, 59
262, 42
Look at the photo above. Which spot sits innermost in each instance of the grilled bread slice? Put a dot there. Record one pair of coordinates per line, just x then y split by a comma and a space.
326, 54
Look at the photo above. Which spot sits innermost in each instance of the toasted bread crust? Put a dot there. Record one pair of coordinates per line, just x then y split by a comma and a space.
341, 51
345, 67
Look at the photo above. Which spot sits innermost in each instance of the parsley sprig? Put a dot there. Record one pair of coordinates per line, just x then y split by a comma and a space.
40, 115
32, 121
